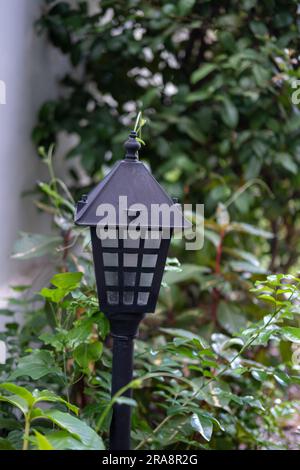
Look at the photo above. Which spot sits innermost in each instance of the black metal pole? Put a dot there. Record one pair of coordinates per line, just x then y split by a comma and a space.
122, 370
124, 328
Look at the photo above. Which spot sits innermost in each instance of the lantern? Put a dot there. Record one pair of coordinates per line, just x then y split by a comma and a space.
132, 220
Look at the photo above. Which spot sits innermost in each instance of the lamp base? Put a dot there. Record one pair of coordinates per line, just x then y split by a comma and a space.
124, 324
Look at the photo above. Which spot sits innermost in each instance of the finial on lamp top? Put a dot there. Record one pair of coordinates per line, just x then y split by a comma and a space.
132, 147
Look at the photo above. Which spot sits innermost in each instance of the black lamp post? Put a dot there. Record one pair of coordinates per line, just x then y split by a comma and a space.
128, 269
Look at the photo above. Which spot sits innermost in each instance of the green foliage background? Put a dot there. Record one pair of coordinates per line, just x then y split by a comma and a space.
230, 121
216, 366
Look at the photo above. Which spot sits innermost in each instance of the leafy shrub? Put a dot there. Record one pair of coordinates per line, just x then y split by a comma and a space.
211, 385
223, 393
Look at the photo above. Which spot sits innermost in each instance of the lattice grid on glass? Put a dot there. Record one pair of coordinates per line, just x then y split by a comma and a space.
130, 271
132, 287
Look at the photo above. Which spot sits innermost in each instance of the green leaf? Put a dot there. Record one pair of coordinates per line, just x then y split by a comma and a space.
200, 95
202, 72
58, 341
88, 352
213, 237
258, 28
49, 396
185, 6
267, 298
291, 334
243, 266
249, 400
36, 365
249, 229
283, 19
19, 391
76, 427
16, 401
67, 281
229, 113
203, 425
5, 444
286, 160
103, 325
54, 295
259, 375
193, 131
64, 283
21, 398
42, 442
63, 440
16, 438
245, 255
261, 75
10, 423
282, 378
80, 333
216, 394
230, 317
178, 332
56, 198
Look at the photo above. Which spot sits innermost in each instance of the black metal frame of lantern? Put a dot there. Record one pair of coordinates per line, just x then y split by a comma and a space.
128, 271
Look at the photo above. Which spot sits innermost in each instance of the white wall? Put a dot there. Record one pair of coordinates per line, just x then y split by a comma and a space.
30, 68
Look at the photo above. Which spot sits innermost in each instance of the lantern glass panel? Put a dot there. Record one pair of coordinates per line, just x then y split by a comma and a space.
128, 297
130, 260
130, 243
149, 261
129, 279
153, 239
110, 243
110, 259
112, 297
146, 279
111, 278
143, 298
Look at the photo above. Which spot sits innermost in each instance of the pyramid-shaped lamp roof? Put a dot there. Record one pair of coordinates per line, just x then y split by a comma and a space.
130, 178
